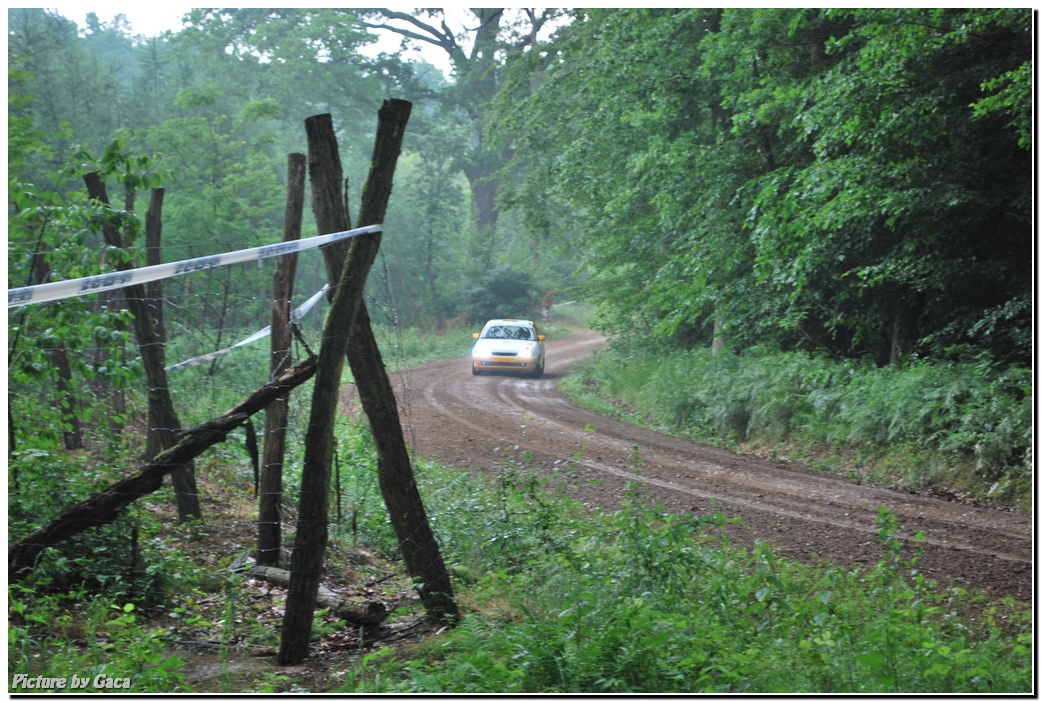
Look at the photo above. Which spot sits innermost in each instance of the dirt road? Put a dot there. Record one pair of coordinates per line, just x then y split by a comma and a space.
468, 421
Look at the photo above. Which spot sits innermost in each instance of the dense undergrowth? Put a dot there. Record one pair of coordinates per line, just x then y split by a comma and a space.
961, 427
556, 598
640, 601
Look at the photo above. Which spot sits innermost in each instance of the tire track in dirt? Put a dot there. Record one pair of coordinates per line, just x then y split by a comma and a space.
470, 422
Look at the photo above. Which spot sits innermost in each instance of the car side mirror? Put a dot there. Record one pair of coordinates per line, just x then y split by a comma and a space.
477, 334
542, 337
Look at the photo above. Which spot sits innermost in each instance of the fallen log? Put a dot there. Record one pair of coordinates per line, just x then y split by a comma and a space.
357, 611
104, 507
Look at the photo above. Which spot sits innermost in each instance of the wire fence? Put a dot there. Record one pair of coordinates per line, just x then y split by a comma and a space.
110, 413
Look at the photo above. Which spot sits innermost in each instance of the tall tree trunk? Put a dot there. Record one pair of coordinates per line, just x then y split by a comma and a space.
163, 422
419, 321
719, 341
439, 317
484, 215
153, 257
156, 335
485, 211
897, 339
269, 528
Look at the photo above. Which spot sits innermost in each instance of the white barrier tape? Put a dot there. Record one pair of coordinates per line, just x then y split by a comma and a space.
257, 336
121, 279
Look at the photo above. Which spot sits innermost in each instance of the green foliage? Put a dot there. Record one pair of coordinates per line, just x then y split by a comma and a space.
562, 599
488, 528
117, 645
1011, 95
503, 291
638, 602
835, 178
120, 560
402, 348
978, 411
423, 269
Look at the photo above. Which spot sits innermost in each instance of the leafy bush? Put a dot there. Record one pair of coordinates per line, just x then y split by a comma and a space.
566, 600
978, 411
503, 291
116, 644
117, 559
640, 602
500, 527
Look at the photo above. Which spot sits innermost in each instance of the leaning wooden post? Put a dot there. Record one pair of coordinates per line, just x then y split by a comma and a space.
419, 547
313, 518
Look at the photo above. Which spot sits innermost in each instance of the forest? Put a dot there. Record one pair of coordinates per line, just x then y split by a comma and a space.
806, 230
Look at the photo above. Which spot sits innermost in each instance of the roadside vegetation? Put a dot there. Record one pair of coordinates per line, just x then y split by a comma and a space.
962, 428
556, 599
640, 601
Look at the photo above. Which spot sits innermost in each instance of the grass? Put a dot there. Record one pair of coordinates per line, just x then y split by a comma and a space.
959, 427
643, 602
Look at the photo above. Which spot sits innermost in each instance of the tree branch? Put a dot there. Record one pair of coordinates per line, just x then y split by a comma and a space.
104, 507
443, 38
537, 23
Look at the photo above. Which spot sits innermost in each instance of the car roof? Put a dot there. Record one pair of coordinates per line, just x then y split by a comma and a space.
510, 320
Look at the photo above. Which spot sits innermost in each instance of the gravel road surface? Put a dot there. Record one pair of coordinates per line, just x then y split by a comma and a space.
466, 421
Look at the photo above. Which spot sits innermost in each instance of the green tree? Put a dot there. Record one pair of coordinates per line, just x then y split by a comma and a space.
306, 61
431, 206
477, 57
226, 196
892, 198
504, 291
834, 179
612, 131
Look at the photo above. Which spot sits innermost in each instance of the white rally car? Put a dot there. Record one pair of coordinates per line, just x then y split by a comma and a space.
509, 345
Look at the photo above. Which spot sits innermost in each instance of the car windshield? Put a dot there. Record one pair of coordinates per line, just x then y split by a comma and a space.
508, 332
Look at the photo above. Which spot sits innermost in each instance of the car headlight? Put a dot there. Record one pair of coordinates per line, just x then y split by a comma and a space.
525, 353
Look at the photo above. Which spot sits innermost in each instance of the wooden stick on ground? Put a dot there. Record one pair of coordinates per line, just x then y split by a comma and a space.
360, 612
